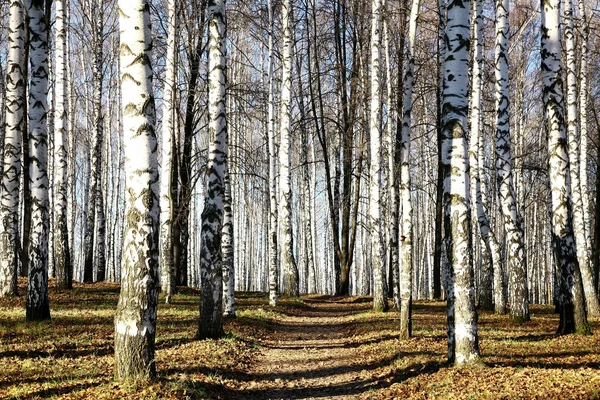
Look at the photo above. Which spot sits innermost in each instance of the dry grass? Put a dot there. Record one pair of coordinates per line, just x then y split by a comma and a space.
72, 355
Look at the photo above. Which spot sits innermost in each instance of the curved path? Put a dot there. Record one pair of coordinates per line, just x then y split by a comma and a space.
312, 354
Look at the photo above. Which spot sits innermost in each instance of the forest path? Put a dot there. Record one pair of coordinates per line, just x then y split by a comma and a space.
312, 353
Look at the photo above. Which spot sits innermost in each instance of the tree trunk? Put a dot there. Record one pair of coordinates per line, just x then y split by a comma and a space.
135, 320
377, 252
168, 186
63, 266
285, 215
489, 238
579, 226
571, 304
517, 270
38, 307
211, 312
463, 346
406, 264
11, 172
273, 264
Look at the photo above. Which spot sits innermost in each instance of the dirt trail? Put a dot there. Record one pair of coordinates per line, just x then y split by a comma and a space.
311, 354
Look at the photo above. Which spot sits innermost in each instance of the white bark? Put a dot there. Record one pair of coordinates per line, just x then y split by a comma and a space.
211, 278
517, 270
135, 320
475, 157
579, 227
377, 251
583, 103
167, 194
285, 200
38, 307
393, 197
463, 347
11, 168
63, 267
227, 250
406, 263
273, 268
570, 296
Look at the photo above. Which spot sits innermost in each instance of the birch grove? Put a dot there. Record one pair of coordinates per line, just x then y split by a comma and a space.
392, 152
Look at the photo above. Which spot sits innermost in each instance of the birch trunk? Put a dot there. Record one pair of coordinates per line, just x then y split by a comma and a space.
487, 234
393, 196
210, 324
583, 148
92, 232
377, 252
273, 265
571, 304
227, 250
406, 263
285, 214
11, 168
168, 187
38, 307
463, 346
579, 227
63, 267
135, 320
517, 270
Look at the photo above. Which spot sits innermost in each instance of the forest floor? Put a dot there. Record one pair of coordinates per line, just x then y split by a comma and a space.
315, 347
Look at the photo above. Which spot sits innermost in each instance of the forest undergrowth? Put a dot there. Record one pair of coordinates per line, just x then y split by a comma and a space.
313, 347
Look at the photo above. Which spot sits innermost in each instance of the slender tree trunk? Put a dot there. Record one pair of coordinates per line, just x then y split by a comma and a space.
92, 232
463, 346
393, 193
285, 214
273, 264
135, 320
211, 303
38, 307
406, 264
227, 250
583, 148
168, 187
63, 266
579, 227
377, 252
11, 172
487, 234
571, 303
439, 200
517, 270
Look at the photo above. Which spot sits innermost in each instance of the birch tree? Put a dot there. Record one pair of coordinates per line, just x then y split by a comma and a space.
517, 270
227, 249
211, 313
583, 122
571, 303
377, 253
492, 247
135, 320
93, 231
574, 140
273, 270
11, 167
62, 257
463, 346
285, 199
406, 263
168, 187
38, 307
